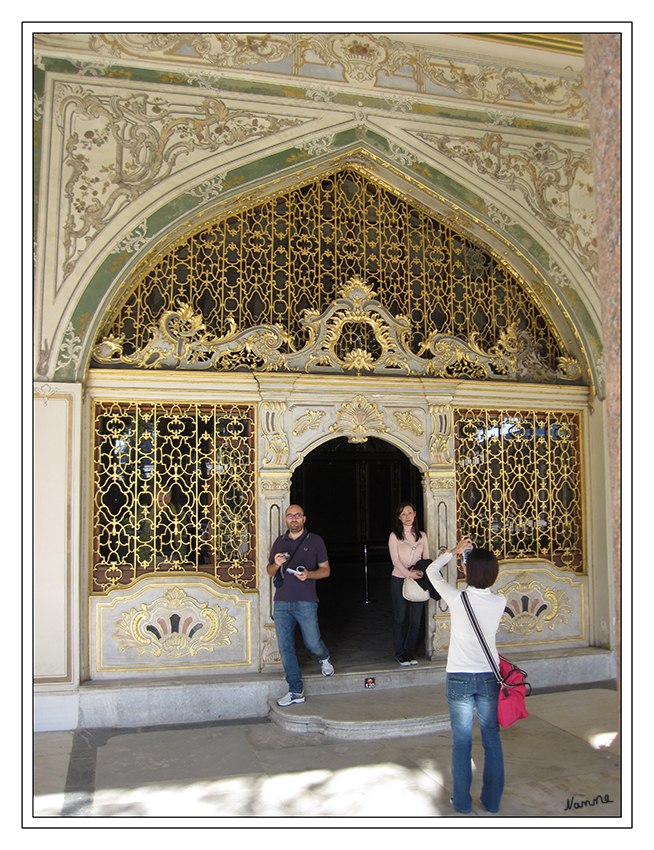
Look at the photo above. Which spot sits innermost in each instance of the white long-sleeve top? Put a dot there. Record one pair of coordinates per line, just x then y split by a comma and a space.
400, 552
465, 654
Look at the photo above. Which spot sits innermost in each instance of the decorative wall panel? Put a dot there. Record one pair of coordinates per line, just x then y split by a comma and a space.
543, 606
169, 623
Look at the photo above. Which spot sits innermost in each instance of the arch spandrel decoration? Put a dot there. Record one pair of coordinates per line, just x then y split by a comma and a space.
338, 276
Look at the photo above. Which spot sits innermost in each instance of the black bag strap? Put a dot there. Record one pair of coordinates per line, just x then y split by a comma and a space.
288, 563
489, 655
480, 637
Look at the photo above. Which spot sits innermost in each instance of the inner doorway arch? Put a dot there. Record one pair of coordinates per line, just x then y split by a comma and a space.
349, 493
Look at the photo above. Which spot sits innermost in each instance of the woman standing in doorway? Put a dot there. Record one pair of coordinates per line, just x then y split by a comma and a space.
407, 545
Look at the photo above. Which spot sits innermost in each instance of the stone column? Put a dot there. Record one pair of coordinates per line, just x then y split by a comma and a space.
440, 511
274, 483
57, 615
602, 53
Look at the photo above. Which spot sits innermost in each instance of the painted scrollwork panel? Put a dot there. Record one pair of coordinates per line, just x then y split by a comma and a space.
362, 59
117, 146
555, 183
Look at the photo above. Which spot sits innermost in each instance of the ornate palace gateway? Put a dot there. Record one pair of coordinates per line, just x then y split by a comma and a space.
243, 255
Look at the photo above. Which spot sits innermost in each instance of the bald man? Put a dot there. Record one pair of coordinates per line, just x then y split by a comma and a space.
297, 560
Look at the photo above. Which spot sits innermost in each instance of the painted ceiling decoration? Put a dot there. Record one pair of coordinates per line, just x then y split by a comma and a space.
148, 136
410, 64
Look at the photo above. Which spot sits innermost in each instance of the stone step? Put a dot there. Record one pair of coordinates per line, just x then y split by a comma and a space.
197, 699
368, 715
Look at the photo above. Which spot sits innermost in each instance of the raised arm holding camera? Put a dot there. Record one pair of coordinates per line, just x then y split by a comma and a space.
470, 681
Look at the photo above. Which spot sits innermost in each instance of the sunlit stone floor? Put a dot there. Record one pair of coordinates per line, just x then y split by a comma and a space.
561, 763
558, 762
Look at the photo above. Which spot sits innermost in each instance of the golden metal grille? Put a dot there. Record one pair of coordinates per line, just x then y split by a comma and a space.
268, 264
519, 484
173, 490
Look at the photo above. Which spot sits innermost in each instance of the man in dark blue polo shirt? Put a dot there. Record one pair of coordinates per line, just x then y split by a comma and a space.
297, 560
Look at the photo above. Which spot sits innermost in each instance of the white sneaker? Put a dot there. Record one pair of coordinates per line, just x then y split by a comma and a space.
327, 669
290, 698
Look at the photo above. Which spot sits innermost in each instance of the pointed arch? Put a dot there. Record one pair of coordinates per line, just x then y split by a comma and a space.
289, 255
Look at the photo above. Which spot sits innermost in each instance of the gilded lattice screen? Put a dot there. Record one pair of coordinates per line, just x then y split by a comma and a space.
295, 252
173, 490
519, 484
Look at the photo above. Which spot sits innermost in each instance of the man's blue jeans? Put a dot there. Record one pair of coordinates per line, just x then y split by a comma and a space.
286, 616
463, 691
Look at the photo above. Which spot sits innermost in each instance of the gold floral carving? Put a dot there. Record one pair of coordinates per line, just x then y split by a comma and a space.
309, 421
181, 341
357, 419
409, 422
192, 626
355, 333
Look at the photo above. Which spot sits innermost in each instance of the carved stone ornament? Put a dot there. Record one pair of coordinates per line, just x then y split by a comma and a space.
357, 418
175, 625
532, 606
354, 334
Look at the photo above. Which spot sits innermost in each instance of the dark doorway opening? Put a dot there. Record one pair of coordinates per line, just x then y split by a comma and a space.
350, 492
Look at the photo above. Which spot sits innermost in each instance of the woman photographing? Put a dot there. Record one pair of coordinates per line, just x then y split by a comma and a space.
470, 682
407, 545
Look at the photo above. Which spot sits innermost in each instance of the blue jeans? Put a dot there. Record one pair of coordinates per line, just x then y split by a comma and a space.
463, 691
404, 644
286, 616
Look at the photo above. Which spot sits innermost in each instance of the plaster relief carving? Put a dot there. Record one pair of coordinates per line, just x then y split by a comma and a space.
119, 146
275, 485
311, 420
409, 422
440, 445
358, 418
532, 606
275, 440
190, 627
269, 650
555, 183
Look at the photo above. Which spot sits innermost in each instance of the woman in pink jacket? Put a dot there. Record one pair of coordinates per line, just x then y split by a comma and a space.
407, 545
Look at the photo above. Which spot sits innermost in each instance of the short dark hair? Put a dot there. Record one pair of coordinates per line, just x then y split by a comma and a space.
482, 568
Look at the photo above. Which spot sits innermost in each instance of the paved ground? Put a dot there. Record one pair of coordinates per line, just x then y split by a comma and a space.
562, 764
